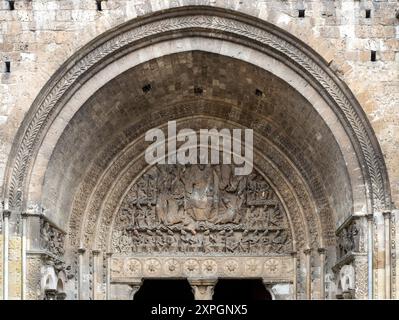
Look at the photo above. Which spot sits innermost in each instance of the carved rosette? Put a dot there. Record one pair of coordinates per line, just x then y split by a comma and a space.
209, 267
191, 267
133, 267
172, 267
152, 267
253, 267
231, 267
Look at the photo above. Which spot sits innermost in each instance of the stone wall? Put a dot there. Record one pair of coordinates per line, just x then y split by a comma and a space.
14, 268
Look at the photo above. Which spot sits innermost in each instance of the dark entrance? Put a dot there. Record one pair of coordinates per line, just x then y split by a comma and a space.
165, 290
240, 290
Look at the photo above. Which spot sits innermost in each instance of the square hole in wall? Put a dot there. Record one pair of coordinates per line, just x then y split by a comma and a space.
373, 55
301, 13
99, 5
258, 92
198, 90
8, 66
147, 88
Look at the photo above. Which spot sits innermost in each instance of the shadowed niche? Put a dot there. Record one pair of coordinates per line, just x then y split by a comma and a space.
164, 290
240, 290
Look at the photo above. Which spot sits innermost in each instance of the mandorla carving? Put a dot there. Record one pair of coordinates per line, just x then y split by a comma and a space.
201, 209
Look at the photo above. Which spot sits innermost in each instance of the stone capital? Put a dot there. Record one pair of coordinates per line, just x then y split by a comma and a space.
203, 288
369, 217
25, 215
321, 251
6, 213
307, 251
386, 214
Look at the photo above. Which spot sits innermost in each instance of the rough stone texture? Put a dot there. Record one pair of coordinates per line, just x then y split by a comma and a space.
40, 35
15, 268
33, 273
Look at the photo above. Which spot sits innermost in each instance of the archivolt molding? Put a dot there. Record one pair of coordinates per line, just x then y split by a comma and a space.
166, 24
101, 191
199, 107
89, 207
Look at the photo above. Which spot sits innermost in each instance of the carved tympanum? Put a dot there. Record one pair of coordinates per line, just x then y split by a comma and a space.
200, 209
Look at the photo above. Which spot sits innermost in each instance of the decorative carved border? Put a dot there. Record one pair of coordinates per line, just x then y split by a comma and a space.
275, 268
213, 20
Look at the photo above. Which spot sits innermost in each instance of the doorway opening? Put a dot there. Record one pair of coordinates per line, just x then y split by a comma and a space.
241, 290
164, 290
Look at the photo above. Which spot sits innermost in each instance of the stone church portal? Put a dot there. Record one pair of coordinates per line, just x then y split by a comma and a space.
85, 215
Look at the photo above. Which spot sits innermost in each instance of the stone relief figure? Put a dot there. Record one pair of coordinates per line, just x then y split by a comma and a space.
199, 192
201, 209
51, 239
348, 240
45, 235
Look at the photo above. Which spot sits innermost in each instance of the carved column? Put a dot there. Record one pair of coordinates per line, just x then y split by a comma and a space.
387, 236
203, 288
295, 276
6, 216
95, 272
81, 252
108, 283
23, 255
307, 253
370, 249
394, 221
322, 253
